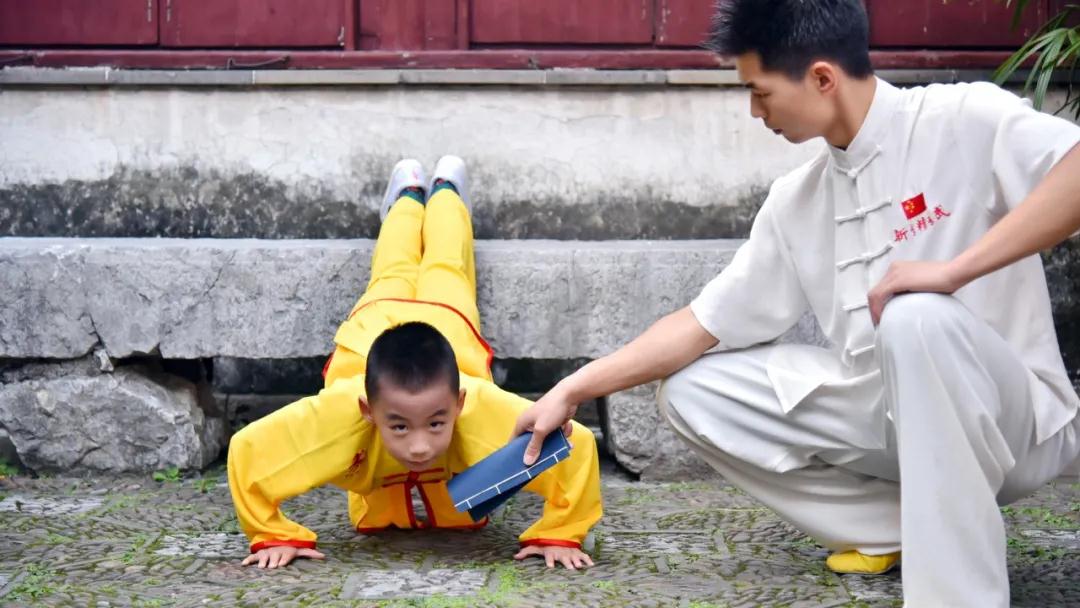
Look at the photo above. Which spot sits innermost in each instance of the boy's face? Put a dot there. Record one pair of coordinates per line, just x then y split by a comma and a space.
797, 109
416, 428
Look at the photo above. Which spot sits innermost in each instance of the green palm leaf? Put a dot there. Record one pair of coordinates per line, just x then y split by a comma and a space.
1055, 46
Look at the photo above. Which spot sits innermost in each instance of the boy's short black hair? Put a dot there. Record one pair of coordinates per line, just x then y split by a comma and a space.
789, 35
412, 356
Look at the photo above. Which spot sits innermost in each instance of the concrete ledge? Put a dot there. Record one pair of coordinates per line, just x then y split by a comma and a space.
31, 76
263, 299
185, 299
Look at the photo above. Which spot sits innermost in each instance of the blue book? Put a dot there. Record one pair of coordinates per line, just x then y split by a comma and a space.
481, 488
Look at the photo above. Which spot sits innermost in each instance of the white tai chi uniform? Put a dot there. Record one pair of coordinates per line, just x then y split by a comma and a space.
910, 435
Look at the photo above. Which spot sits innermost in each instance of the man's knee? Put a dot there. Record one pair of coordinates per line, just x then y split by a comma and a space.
674, 391
907, 316
663, 397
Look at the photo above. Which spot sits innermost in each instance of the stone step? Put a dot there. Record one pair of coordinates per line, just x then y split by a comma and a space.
277, 303
262, 299
546, 307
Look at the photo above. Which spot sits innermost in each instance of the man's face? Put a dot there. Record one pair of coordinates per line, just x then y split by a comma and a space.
796, 109
416, 428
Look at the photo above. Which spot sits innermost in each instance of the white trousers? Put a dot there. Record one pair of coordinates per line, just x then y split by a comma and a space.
918, 455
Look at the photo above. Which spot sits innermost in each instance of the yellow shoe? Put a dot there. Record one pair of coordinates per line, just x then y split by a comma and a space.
853, 562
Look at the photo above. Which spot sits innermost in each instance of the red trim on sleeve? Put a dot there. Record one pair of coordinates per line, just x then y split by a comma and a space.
326, 367
550, 542
299, 544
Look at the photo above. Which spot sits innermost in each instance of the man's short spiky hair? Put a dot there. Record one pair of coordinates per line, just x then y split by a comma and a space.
789, 35
411, 356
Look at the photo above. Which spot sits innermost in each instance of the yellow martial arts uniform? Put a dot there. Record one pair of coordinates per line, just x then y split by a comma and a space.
422, 270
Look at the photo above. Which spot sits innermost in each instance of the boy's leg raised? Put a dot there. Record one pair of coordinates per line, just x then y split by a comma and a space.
448, 268
395, 263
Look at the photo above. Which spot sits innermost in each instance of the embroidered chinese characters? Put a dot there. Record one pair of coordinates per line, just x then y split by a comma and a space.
919, 220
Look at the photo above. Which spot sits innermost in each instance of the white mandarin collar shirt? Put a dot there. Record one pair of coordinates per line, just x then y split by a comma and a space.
929, 172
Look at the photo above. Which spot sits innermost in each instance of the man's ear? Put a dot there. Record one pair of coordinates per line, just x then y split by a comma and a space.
365, 409
824, 77
461, 400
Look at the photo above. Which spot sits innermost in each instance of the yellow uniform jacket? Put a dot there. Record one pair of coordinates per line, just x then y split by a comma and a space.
326, 439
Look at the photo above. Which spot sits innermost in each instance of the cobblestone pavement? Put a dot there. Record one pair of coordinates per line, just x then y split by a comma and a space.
139, 542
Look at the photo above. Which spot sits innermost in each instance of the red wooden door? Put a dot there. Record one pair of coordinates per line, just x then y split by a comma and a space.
683, 22
255, 23
562, 21
1057, 6
957, 23
78, 22
409, 24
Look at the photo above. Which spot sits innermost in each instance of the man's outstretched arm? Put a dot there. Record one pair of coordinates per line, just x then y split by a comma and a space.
669, 345
1045, 218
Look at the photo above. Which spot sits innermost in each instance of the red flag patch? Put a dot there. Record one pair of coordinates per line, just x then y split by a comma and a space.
914, 206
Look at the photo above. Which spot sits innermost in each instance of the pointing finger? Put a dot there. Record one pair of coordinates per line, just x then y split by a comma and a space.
532, 451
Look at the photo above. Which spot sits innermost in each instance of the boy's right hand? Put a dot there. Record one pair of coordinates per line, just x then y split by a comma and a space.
272, 557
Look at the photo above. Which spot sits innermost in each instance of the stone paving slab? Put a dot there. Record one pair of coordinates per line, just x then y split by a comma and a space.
702, 544
48, 506
394, 583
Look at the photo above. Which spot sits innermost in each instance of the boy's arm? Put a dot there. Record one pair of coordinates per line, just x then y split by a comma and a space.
571, 488
299, 447
571, 491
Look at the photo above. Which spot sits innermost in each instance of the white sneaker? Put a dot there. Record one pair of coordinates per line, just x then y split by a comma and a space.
407, 173
452, 169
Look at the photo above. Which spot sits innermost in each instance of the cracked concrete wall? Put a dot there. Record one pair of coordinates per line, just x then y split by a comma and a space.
311, 162
568, 163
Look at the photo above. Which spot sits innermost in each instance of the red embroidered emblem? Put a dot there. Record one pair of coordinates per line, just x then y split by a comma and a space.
914, 206
920, 225
357, 460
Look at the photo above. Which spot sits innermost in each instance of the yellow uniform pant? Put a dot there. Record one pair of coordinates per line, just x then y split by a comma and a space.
423, 269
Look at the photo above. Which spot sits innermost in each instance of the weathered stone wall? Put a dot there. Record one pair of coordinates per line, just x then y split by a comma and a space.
303, 162
633, 159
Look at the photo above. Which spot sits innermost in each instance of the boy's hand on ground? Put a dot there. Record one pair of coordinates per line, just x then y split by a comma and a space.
567, 556
549, 413
273, 557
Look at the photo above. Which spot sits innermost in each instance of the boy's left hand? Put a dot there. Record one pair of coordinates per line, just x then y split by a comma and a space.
568, 556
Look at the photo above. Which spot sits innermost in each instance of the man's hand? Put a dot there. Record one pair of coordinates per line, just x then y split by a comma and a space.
567, 556
905, 277
272, 557
549, 413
